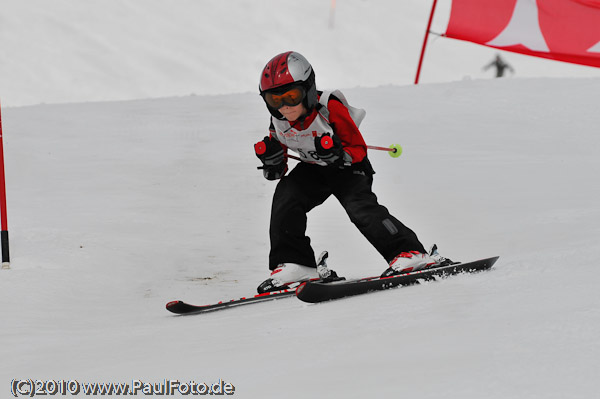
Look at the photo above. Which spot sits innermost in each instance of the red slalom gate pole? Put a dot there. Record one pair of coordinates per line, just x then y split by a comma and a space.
3, 214
425, 42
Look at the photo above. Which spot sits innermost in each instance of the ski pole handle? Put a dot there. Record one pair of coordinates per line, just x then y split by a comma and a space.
260, 148
326, 142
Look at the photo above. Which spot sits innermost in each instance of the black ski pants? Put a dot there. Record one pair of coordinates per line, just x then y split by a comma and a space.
309, 185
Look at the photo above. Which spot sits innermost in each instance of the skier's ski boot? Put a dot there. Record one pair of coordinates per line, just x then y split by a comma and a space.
408, 262
285, 275
412, 261
290, 275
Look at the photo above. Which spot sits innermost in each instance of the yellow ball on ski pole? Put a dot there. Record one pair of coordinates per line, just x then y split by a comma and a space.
395, 150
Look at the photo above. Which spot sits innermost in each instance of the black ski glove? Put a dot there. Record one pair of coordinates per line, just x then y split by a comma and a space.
329, 149
270, 153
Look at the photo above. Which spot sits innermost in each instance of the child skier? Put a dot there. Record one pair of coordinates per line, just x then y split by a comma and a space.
320, 128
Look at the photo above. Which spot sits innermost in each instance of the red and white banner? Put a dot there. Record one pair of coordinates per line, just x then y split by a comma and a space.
563, 30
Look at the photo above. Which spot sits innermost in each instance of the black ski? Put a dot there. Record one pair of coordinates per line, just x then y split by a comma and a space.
314, 292
183, 308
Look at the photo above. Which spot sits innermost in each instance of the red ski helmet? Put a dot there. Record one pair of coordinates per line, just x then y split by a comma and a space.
284, 71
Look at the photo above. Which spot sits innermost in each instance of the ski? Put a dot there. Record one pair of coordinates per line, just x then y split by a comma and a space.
314, 292
184, 308
326, 274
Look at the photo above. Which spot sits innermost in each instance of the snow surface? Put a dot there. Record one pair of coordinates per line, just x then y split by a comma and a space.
117, 207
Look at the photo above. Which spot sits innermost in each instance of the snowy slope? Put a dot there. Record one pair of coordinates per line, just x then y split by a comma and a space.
88, 50
116, 208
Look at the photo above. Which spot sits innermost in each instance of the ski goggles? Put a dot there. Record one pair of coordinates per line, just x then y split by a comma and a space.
291, 97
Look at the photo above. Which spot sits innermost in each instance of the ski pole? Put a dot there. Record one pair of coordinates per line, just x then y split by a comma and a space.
395, 150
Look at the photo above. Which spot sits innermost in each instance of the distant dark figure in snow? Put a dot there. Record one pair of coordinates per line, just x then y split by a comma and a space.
500, 66
323, 129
